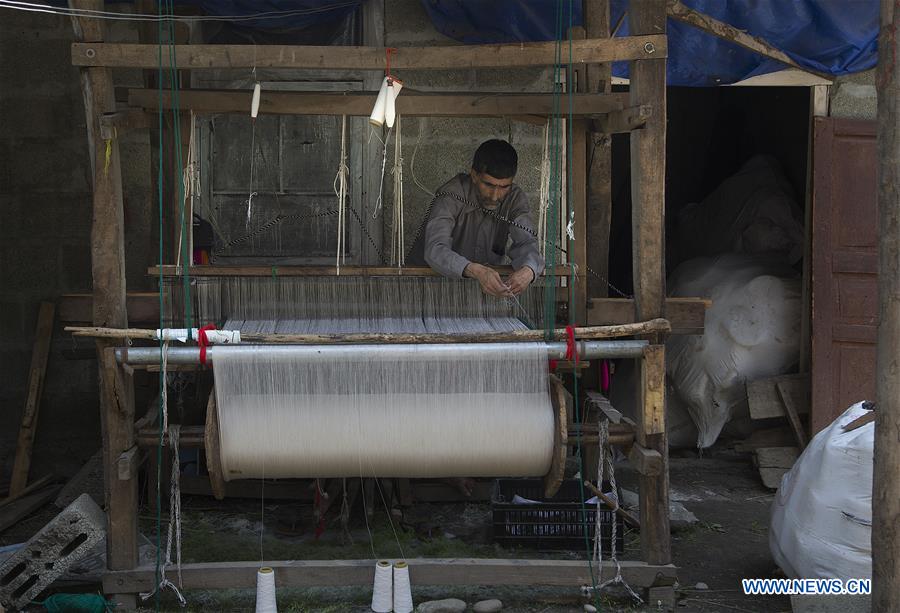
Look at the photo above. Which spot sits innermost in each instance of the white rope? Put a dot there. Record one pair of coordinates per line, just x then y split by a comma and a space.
604, 468
190, 187
341, 180
174, 532
545, 190
383, 166
398, 247
252, 164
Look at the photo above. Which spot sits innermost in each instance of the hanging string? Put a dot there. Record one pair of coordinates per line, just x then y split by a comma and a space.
544, 201
384, 143
605, 469
174, 533
398, 247
341, 180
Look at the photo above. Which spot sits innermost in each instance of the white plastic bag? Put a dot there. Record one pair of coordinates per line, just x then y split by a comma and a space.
821, 525
752, 330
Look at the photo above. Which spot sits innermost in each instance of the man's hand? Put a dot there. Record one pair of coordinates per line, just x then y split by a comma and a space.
519, 281
490, 280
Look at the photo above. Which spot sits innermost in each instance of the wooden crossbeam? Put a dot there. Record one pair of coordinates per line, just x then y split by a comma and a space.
591, 51
434, 571
361, 103
168, 270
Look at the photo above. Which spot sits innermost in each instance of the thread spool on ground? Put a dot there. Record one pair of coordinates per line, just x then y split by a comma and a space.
265, 591
402, 590
382, 588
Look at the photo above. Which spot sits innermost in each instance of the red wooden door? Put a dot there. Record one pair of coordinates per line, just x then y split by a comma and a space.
844, 267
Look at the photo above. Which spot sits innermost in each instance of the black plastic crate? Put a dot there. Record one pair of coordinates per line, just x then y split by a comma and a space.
554, 523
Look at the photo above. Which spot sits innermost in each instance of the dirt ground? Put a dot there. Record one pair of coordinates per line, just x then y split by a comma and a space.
723, 490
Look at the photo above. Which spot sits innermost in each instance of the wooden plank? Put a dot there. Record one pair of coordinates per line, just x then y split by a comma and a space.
766, 402
122, 55
648, 180
686, 315
646, 461
42, 335
30, 488
773, 462
623, 120
767, 437
790, 408
859, 422
112, 125
886, 480
319, 271
653, 394
730, 33
409, 104
554, 477
423, 571
127, 464
22, 507
142, 307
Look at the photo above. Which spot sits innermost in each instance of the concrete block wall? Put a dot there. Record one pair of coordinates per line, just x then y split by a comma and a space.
46, 204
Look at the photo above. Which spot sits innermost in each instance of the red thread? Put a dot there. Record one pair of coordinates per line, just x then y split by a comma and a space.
552, 365
604, 376
388, 52
203, 341
571, 353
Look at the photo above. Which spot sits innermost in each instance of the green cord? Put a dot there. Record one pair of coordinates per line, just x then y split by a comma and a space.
162, 379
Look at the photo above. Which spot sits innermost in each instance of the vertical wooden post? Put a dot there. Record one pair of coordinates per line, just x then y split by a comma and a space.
886, 483
108, 271
599, 195
648, 176
578, 248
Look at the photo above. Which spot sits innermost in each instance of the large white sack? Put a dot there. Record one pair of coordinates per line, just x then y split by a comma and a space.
821, 526
752, 330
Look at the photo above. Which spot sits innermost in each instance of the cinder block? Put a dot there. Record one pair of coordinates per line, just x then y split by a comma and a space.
49, 554
661, 598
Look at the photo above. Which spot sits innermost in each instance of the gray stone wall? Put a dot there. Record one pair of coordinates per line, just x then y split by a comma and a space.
45, 200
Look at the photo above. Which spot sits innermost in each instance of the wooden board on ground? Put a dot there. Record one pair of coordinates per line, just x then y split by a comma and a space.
18, 510
36, 374
773, 462
765, 400
766, 437
423, 571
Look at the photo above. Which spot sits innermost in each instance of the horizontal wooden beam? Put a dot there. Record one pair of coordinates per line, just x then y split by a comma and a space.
623, 120
687, 315
361, 103
435, 571
591, 51
114, 124
170, 270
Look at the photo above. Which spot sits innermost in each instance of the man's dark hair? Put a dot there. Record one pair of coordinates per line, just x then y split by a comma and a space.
497, 158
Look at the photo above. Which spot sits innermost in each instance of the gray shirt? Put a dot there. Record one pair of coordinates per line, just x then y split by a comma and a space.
458, 234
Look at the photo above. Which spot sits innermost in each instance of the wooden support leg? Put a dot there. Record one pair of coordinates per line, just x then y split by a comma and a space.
654, 488
117, 418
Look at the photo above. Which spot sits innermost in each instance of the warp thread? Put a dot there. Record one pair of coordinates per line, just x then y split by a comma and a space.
382, 588
265, 591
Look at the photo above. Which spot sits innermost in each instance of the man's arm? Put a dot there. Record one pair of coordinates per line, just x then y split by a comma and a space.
439, 252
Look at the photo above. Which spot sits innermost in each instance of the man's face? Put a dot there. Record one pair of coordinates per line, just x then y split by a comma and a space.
491, 190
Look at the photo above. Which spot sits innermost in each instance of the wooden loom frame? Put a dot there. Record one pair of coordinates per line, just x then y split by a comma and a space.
642, 112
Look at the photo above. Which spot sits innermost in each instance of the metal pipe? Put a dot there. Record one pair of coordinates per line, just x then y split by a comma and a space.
469, 351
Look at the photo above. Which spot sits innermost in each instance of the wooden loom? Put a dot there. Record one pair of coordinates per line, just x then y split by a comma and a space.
642, 111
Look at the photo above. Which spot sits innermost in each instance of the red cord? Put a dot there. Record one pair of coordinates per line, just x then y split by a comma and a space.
203, 341
388, 52
571, 353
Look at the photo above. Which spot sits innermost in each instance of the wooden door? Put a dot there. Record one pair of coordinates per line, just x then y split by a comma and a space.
844, 267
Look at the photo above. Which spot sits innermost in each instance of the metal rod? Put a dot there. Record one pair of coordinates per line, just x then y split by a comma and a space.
587, 350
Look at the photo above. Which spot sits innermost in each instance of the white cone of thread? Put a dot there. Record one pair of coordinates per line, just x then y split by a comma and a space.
382, 588
390, 110
265, 591
254, 105
377, 116
403, 602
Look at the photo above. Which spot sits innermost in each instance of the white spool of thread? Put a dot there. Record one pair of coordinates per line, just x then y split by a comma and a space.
254, 105
382, 589
377, 116
403, 602
390, 109
265, 591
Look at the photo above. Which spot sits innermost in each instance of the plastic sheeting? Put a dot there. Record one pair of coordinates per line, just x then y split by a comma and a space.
280, 14
821, 525
752, 330
830, 36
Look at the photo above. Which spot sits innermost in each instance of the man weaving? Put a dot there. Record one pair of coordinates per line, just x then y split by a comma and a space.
472, 218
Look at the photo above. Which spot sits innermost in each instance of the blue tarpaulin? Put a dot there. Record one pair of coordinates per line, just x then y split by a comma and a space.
829, 36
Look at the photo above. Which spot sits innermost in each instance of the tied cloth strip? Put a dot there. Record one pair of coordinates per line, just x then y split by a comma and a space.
203, 341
